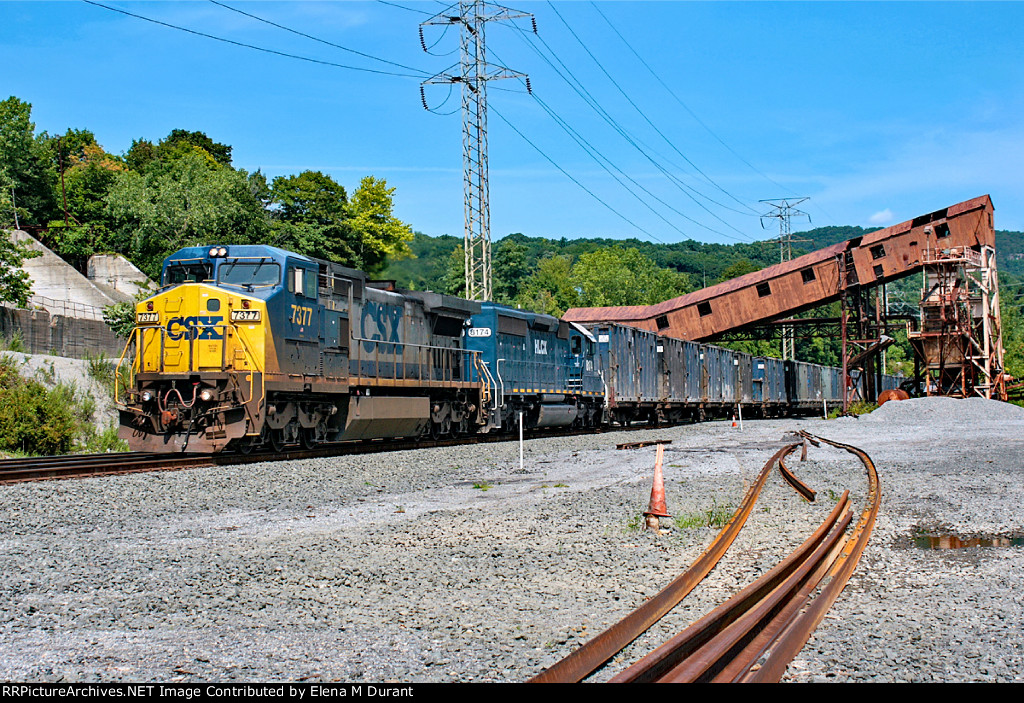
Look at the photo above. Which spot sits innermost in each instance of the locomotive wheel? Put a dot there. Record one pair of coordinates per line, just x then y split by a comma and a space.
277, 440
246, 444
308, 438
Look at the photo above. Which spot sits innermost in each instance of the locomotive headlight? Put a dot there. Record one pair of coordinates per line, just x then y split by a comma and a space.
146, 396
206, 395
213, 252
222, 251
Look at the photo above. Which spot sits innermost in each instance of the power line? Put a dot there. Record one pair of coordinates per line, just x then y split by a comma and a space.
403, 7
642, 113
578, 87
596, 154
569, 176
680, 101
251, 46
317, 39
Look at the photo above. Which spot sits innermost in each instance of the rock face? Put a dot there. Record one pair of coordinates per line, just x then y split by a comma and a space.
453, 565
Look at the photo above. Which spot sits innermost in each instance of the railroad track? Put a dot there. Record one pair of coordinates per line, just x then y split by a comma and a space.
755, 634
86, 465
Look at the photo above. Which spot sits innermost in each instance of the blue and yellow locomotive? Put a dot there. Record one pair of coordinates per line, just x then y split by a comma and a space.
253, 346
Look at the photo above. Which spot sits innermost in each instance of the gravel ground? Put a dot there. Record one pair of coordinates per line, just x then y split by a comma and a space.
456, 565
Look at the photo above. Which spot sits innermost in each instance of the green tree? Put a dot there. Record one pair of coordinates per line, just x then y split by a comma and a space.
510, 269
141, 154
737, 269
1013, 338
15, 284
623, 276
453, 282
193, 201
180, 142
377, 233
311, 198
549, 288
25, 166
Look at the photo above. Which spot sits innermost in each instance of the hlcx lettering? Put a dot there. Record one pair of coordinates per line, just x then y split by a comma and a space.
381, 322
195, 327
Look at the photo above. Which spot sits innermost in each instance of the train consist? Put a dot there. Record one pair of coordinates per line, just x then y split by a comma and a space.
253, 347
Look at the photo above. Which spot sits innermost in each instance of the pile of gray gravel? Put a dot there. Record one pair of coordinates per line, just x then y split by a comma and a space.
456, 565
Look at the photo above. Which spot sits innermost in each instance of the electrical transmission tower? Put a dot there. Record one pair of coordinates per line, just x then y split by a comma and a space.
473, 74
784, 210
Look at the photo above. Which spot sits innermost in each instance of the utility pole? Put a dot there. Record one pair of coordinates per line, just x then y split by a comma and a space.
473, 75
783, 210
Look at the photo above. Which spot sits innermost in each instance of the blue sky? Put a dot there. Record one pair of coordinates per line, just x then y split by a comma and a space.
877, 111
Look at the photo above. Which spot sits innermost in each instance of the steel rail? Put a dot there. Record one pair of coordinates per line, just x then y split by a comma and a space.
59, 467
708, 646
85, 465
594, 653
798, 485
799, 630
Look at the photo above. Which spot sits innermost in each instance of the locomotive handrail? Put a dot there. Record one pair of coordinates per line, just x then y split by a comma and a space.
501, 396
449, 355
481, 367
193, 335
120, 360
255, 367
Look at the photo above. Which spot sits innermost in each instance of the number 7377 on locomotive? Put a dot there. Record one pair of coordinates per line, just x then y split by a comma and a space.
252, 346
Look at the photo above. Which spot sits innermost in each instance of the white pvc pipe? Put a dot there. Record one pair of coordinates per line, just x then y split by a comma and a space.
520, 440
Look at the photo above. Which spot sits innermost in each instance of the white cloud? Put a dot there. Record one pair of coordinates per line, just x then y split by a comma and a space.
881, 218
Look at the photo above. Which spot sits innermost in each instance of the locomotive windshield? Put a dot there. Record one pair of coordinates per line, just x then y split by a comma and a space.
187, 272
249, 273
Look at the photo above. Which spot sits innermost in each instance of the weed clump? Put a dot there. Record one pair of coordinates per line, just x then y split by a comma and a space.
715, 516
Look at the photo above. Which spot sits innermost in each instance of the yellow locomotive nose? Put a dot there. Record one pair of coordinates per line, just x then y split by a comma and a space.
196, 328
199, 359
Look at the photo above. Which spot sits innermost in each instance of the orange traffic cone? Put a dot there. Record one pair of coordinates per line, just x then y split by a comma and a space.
733, 420
657, 508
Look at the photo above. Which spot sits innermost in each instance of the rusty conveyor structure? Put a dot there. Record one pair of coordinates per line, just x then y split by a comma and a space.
841, 272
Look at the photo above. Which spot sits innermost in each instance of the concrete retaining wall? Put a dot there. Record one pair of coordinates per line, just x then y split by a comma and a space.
64, 336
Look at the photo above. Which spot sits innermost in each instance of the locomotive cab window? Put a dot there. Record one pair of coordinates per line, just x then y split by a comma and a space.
249, 273
302, 282
187, 273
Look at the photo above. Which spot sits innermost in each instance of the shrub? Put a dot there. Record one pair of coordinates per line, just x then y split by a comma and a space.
32, 419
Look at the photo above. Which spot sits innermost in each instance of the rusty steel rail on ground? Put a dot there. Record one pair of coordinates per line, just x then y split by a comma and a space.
754, 635
640, 445
82, 465
595, 653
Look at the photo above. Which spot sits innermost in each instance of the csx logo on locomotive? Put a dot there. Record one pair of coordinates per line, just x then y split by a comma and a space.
195, 327
381, 322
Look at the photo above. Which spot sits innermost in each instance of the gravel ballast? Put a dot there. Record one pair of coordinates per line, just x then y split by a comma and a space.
455, 565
